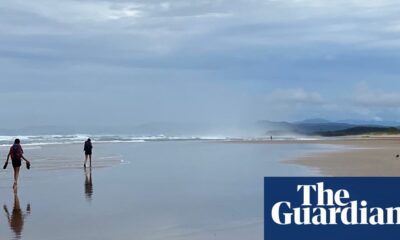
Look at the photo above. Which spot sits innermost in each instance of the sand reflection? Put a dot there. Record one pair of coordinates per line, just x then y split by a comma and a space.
88, 184
17, 217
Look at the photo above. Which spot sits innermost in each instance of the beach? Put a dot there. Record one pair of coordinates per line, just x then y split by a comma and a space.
192, 189
192, 106
366, 155
359, 156
146, 190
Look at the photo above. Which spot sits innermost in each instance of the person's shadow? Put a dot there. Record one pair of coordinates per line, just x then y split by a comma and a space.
88, 184
17, 218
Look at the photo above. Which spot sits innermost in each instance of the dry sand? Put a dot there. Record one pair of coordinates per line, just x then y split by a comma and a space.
371, 155
366, 156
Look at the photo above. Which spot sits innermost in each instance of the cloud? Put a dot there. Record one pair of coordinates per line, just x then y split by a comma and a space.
192, 34
368, 98
295, 96
312, 47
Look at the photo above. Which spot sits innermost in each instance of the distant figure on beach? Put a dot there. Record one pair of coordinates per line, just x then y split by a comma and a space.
17, 218
88, 152
16, 153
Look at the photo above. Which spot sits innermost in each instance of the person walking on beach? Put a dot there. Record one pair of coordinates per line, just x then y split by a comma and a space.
88, 152
16, 153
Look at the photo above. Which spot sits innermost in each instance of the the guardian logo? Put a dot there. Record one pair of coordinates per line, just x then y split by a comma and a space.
331, 208
315, 208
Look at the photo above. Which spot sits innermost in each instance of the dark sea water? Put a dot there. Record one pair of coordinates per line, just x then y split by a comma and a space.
149, 190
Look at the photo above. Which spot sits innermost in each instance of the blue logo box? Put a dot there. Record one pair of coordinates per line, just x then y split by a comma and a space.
324, 208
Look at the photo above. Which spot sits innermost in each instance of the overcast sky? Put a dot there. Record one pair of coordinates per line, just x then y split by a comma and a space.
215, 61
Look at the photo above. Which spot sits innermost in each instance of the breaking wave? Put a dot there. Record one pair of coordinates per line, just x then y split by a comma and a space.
38, 140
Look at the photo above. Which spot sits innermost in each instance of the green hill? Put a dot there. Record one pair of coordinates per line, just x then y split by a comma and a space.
359, 131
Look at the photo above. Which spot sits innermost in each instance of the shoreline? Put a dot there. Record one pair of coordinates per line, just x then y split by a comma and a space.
366, 155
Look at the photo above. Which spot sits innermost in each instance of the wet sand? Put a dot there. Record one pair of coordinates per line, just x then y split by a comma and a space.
171, 190
183, 190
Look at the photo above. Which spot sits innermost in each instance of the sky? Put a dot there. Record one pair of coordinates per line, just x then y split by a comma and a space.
66, 62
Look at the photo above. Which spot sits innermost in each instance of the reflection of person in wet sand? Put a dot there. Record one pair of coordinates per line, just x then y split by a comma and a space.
88, 184
17, 217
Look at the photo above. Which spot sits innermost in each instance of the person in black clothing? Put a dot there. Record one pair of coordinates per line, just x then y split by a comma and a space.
88, 152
